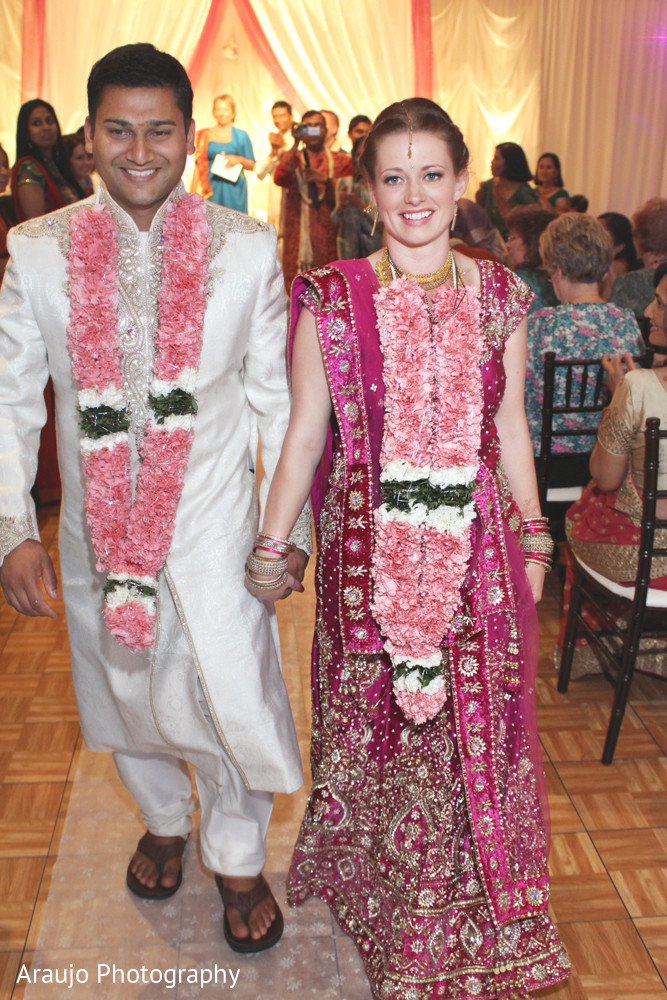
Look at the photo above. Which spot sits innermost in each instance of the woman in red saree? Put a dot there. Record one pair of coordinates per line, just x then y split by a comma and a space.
604, 527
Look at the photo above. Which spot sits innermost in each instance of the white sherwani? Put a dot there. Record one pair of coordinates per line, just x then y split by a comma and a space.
150, 702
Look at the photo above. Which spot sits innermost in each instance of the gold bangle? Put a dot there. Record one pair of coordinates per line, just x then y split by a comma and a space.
270, 584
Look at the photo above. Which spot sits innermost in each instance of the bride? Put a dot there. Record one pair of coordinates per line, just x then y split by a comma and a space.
424, 830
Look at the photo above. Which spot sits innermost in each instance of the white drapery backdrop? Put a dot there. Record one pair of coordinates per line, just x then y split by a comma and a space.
584, 78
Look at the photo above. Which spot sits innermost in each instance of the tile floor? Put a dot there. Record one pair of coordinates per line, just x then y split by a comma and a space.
67, 828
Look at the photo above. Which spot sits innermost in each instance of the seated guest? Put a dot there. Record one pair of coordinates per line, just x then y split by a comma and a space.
42, 180
579, 203
508, 185
549, 182
526, 224
625, 257
604, 527
649, 226
472, 230
576, 252
7, 214
80, 161
358, 128
359, 234
308, 172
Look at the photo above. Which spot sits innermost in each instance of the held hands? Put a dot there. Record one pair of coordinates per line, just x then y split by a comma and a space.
24, 571
274, 568
296, 566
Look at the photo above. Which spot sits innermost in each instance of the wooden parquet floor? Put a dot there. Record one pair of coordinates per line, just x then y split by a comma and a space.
63, 815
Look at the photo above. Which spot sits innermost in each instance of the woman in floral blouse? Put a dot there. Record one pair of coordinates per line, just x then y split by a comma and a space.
576, 251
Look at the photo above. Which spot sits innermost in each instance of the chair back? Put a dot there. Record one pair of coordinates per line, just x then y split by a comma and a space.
650, 521
582, 385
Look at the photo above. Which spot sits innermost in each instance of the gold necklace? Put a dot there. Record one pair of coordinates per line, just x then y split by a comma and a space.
387, 270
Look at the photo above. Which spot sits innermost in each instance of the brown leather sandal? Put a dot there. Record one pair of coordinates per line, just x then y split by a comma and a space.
245, 903
159, 854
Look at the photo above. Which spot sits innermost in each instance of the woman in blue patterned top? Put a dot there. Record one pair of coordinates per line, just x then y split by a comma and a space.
576, 252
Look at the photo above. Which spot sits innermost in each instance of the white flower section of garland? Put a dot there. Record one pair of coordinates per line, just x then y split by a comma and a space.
91, 399
443, 518
121, 596
184, 421
401, 471
412, 680
89, 445
413, 683
186, 380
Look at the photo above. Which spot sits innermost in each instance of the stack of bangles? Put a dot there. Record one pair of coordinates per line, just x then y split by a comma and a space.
264, 572
537, 542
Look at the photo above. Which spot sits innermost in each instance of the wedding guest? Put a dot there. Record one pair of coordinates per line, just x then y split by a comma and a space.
7, 214
222, 155
358, 128
603, 528
281, 114
359, 231
42, 179
508, 185
634, 290
80, 161
549, 181
576, 252
525, 225
308, 173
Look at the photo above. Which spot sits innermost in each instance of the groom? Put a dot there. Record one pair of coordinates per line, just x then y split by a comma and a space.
161, 320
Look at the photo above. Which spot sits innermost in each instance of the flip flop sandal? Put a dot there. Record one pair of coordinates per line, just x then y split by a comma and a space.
245, 903
159, 854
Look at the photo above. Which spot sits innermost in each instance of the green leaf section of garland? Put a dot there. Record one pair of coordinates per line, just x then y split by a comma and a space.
405, 495
99, 421
178, 402
426, 674
136, 589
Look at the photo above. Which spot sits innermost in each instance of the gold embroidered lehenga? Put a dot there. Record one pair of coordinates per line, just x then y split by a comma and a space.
428, 842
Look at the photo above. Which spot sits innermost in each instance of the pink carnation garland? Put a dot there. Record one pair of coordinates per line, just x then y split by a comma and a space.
132, 536
431, 439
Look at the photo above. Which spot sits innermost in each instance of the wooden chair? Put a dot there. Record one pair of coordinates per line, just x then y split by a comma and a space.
583, 382
618, 646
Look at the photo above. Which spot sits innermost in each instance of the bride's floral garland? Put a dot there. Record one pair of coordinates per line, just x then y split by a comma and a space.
132, 535
429, 463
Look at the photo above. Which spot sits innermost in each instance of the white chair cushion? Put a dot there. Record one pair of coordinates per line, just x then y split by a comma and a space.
564, 494
654, 598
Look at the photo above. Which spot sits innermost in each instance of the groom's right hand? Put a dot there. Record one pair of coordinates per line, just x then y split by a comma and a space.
24, 571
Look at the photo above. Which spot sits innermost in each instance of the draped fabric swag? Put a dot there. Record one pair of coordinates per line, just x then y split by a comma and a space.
583, 78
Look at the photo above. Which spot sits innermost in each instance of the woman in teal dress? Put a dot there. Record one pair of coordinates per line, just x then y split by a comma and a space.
231, 143
549, 181
508, 185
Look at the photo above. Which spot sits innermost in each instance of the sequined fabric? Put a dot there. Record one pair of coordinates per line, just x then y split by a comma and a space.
428, 842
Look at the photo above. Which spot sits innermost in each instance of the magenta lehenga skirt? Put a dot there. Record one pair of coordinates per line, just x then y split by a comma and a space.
387, 840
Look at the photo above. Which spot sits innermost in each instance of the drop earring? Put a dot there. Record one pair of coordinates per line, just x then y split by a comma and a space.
452, 224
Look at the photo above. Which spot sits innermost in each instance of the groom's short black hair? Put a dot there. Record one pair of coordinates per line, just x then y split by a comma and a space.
139, 65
